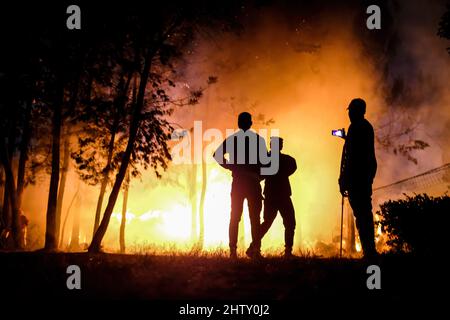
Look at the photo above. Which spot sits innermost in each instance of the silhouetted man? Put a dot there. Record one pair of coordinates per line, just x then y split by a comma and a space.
244, 149
277, 196
358, 168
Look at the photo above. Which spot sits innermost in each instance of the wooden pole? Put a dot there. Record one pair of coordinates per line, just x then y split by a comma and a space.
342, 224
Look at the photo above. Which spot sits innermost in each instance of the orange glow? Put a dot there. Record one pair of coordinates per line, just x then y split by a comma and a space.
263, 71
172, 224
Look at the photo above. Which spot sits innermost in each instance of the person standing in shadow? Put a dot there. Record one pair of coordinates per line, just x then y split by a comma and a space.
358, 169
244, 149
277, 196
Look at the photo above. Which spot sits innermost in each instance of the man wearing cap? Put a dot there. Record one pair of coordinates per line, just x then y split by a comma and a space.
358, 169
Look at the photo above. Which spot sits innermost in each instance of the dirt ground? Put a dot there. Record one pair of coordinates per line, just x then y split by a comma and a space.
42, 276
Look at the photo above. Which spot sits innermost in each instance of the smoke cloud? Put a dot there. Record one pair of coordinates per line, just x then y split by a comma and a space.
299, 65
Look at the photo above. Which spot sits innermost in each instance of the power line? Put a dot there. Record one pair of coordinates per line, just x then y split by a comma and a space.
430, 177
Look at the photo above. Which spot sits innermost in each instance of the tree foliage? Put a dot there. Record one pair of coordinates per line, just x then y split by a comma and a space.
396, 133
444, 25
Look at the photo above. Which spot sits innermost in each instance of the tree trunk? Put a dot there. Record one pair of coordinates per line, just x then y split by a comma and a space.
62, 186
24, 144
99, 204
50, 231
193, 200
106, 173
201, 239
23, 158
10, 185
134, 126
61, 240
119, 105
124, 213
201, 236
2, 190
7, 211
75, 237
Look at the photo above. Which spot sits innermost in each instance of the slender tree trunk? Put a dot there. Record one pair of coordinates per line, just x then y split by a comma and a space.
62, 186
119, 105
10, 205
106, 173
201, 236
134, 126
23, 158
50, 232
124, 213
201, 240
8, 215
100, 202
63, 229
193, 200
193, 197
75, 237
24, 144
2, 187
10, 185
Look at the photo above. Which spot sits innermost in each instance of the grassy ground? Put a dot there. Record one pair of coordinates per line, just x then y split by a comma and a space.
114, 276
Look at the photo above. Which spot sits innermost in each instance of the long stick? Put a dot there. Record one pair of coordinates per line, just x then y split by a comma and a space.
342, 222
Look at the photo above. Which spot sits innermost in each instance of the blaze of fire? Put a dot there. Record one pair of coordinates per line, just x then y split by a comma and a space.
306, 94
171, 224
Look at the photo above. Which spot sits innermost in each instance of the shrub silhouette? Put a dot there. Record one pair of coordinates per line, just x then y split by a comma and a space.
417, 224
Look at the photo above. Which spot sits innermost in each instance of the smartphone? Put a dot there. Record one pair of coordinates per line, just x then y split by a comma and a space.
338, 133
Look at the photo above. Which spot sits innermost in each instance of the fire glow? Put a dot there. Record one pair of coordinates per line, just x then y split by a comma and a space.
301, 76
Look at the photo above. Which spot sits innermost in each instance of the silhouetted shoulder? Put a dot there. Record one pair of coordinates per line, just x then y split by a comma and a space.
289, 158
367, 125
288, 163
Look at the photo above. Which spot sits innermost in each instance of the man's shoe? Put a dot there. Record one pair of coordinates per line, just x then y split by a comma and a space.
289, 255
249, 251
253, 253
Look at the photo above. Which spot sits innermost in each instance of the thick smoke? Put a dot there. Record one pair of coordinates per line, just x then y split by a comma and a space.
303, 68
301, 65
414, 75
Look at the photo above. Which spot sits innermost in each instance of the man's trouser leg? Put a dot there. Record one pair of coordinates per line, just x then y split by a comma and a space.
237, 203
288, 214
254, 201
270, 213
361, 203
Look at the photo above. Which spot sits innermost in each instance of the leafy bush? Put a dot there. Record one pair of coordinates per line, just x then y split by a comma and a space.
418, 224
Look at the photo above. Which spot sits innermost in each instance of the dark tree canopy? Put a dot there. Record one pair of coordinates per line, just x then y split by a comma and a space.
109, 85
444, 25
